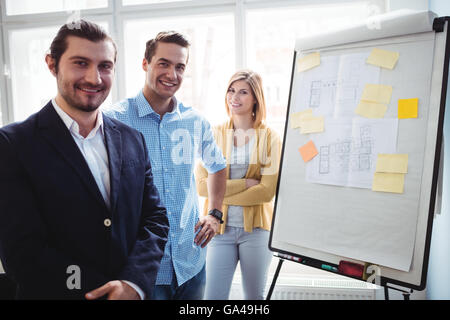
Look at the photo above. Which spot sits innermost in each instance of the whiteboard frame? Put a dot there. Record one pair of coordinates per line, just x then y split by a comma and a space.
415, 278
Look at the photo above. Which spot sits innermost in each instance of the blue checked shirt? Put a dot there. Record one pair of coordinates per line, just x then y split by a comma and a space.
174, 143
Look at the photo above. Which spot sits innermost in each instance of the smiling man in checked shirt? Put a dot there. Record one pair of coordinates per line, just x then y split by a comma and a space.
175, 136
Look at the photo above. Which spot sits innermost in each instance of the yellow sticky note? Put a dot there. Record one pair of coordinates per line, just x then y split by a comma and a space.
392, 163
308, 62
371, 109
308, 151
312, 125
297, 117
383, 58
377, 93
408, 108
388, 182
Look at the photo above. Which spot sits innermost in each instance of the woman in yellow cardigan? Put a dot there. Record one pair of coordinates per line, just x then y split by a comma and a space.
252, 151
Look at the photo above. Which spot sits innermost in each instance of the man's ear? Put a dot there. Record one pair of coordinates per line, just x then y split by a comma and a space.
145, 65
51, 64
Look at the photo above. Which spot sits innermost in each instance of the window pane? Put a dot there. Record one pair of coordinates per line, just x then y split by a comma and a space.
133, 2
32, 83
14, 7
211, 59
271, 41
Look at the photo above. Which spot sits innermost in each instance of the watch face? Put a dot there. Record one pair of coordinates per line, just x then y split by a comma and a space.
217, 214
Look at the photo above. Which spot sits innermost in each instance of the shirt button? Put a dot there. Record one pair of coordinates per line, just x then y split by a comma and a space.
107, 222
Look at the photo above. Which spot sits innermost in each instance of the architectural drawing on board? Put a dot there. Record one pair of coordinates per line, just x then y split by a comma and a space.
322, 92
348, 151
334, 87
314, 100
324, 160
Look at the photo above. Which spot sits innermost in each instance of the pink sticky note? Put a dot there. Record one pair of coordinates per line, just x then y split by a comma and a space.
308, 151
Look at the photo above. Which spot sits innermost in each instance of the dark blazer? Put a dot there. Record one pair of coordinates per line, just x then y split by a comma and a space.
52, 214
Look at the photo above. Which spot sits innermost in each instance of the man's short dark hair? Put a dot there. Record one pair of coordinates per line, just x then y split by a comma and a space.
166, 37
82, 29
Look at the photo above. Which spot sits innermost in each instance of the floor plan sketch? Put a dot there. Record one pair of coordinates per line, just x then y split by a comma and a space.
327, 88
314, 100
324, 160
334, 88
348, 150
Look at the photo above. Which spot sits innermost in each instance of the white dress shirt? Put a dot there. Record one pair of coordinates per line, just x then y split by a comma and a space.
93, 149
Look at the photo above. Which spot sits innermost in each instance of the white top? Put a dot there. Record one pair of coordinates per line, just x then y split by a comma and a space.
93, 149
240, 159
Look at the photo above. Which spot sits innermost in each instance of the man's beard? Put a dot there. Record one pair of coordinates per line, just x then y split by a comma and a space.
74, 102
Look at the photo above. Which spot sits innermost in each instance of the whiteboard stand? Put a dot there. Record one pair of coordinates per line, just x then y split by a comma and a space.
423, 41
275, 277
405, 294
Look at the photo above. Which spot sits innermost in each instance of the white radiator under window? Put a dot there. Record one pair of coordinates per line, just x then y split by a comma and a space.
312, 288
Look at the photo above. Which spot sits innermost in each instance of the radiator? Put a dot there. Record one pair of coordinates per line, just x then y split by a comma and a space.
312, 288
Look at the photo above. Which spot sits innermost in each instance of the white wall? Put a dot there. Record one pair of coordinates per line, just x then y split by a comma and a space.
438, 282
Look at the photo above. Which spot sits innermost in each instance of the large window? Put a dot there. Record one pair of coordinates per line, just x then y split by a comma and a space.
211, 57
135, 2
18, 7
271, 36
225, 35
31, 82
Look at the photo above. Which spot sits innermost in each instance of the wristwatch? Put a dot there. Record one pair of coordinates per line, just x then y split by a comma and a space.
216, 214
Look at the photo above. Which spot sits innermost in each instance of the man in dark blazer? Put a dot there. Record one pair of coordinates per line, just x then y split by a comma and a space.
80, 216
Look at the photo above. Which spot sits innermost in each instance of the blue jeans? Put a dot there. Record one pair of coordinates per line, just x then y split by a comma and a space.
193, 289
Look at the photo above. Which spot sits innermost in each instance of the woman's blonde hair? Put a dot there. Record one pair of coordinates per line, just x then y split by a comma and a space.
254, 80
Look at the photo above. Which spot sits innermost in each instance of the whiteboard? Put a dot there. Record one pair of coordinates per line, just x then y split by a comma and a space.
330, 223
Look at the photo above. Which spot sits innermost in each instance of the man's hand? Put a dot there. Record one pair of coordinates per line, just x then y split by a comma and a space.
116, 290
209, 227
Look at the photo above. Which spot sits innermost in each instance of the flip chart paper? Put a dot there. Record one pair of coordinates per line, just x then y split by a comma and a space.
383, 58
372, 110
312, 125
308, 151
392, 163
297, 117
308, 62
388, 182
377, 93
408, 108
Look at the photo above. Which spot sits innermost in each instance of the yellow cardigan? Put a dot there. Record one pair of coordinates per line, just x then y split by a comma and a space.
264, 164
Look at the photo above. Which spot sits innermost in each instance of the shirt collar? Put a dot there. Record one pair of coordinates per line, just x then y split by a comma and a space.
144, 108
72, 125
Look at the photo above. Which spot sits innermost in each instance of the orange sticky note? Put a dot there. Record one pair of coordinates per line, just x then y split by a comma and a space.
308, 151
408, 108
